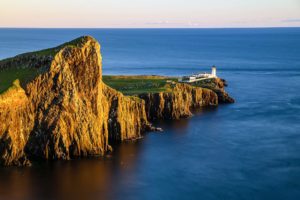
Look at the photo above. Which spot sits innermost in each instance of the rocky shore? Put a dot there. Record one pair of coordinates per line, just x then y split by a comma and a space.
66, 111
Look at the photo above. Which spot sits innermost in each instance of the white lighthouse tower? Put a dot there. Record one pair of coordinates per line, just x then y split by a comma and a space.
214, 71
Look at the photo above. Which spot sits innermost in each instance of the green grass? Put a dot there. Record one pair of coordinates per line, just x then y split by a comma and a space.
48, 52
24, 73
53, 51
132, 85
207, 83
8, 76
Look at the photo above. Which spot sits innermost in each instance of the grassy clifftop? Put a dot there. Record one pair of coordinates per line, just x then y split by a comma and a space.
156, 85
27, 66
48, 52
130, 85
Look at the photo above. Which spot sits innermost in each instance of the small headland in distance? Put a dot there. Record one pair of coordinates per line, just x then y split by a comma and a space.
56, 105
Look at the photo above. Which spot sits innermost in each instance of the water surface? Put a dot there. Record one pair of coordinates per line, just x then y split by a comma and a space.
247, 150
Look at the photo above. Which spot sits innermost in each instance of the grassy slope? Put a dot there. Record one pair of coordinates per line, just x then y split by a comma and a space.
8, 76
50, 51
130, 85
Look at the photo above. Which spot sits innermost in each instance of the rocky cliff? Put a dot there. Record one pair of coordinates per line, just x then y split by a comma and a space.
218, 86
178, 103
67, 111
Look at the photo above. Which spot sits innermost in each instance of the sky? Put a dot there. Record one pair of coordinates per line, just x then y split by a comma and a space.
149, 13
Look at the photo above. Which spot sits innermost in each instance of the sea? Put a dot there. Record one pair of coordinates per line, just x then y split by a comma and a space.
243, 151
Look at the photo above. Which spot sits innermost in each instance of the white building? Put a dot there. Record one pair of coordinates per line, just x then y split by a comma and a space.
199, 76
214, 71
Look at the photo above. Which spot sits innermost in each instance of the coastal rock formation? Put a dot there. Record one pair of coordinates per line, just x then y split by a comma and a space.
220, 91
67, 111
16, 122
218, 86
127, 117
179, 103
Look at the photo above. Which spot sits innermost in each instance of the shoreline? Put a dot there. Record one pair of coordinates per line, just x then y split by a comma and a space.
67, 109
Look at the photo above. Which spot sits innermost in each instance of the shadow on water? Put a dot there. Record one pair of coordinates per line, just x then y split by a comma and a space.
86, 178
181, 125
89, 178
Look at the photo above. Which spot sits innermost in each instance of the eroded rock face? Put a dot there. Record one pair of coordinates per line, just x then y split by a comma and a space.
67, 111
16, 122
179, 103
218, 86
127, 117
219, 89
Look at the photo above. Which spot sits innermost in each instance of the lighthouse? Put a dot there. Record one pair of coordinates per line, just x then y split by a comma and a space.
214, 71
198, 77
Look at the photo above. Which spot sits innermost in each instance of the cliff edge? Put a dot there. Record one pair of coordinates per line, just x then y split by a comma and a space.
179, 102
58, 106
66, 110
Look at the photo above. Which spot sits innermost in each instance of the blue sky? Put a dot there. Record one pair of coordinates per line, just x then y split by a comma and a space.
149, 13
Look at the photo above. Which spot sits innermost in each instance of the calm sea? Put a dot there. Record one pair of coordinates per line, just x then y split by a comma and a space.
247, 150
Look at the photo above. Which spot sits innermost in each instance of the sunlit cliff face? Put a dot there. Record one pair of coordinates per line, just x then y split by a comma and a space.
67, 111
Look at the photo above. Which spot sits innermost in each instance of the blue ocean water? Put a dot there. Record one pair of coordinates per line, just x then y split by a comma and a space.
247, 150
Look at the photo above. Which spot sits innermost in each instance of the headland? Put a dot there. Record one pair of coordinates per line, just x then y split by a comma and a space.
55, 104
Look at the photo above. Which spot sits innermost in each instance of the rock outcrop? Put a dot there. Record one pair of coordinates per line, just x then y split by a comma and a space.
179, 103
67, 111
218, 86
16, 122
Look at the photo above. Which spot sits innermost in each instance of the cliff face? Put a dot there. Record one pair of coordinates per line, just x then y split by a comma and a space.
179, 103
127, 117
67, 111
218, 86
16, 122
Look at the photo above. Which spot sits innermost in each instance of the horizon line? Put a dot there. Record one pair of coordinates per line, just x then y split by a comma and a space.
233, 27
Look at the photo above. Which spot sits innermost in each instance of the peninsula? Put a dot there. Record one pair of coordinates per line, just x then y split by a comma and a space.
55, 103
